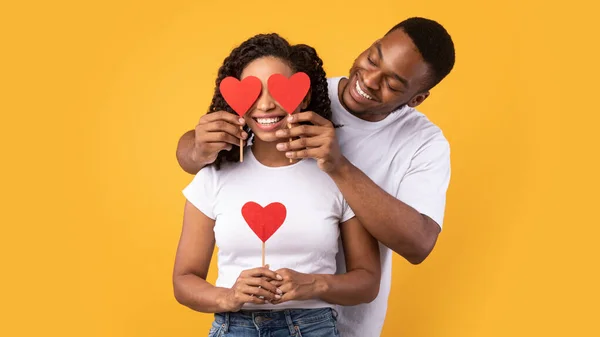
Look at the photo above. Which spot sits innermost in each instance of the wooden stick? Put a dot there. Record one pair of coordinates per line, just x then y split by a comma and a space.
241, 147
263, 254
289, 127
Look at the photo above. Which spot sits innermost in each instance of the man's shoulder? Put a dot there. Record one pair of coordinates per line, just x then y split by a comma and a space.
420, 128
333, 82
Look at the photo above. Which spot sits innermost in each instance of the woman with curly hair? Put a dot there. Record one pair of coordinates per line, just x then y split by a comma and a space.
307, 220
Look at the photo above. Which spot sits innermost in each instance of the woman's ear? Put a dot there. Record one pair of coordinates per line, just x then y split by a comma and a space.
306, 101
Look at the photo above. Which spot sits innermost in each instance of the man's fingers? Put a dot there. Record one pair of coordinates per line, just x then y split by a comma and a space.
308, 116
218, 147
219, 137
301, 143
307, 153
215, 148
301, 130
223, 126
222, 115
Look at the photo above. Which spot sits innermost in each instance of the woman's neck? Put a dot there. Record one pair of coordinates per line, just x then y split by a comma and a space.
267, 154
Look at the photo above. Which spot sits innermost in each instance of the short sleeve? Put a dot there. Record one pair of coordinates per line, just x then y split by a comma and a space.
200, 191
347, 212
425, 184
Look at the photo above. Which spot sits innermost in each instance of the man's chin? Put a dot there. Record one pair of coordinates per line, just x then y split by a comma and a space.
351, 105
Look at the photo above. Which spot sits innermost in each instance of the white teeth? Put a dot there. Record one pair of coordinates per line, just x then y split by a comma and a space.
362, 93
268, 121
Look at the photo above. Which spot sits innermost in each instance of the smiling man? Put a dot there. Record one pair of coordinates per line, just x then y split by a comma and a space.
391, 163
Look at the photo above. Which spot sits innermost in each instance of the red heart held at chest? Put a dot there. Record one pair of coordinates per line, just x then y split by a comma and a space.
240, 95
289, 92
264, 221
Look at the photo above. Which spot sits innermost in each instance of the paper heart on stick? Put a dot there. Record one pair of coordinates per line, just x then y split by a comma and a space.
240, 95
289, 92
264, 221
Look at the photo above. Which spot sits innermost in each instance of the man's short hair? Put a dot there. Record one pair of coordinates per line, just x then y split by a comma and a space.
434, 43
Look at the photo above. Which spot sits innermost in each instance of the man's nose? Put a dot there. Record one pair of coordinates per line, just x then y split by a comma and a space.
371, 79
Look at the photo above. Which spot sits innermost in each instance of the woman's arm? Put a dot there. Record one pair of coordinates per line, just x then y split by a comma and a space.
360, 283
192, 262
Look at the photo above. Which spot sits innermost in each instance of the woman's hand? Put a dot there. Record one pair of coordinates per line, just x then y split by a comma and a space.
252, 286
297, 286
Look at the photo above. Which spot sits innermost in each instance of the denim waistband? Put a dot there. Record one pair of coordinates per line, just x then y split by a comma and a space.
275, 318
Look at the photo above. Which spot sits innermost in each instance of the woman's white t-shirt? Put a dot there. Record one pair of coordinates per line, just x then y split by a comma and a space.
301, 198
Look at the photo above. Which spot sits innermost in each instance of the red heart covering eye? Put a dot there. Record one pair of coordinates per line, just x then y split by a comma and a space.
289, 92
240, 95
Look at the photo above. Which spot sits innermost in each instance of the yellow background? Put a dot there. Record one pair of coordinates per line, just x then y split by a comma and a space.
95, 95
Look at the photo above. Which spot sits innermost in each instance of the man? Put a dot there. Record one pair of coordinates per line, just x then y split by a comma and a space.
390, 162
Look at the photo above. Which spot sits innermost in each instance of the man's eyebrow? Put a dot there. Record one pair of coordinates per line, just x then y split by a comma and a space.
398, 77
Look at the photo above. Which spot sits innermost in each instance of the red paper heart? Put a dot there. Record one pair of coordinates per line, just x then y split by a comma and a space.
289, 92
264, 222
240, 95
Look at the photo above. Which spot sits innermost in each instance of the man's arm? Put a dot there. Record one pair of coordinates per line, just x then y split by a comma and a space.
391, 221
185, 157
215, 132
409, 232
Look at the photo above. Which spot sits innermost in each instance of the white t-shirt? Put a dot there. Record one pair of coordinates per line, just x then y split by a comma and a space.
408, 157
304, 201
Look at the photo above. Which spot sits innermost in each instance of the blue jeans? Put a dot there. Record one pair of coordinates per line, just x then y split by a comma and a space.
272, 323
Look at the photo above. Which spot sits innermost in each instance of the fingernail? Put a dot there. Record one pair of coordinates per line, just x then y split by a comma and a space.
288, 154
279, 277
279, 133
242, 121
244, 135
277, 297
290, 119
279, 291
280, 146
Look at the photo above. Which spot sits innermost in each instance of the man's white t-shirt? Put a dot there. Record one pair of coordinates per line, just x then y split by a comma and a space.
408, 157
301, 198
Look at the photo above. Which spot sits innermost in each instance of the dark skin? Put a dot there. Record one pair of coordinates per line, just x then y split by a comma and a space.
392, 73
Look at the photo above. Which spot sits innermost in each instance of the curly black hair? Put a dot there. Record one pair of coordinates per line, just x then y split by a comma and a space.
300, 58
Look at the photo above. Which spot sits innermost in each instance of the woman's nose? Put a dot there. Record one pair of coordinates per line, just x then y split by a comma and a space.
265, 102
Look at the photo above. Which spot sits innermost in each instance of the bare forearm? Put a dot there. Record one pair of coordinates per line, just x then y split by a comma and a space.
392, 222
199, 295
185, 158
352, 288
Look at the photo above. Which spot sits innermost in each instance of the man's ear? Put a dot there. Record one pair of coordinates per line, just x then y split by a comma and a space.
418, 99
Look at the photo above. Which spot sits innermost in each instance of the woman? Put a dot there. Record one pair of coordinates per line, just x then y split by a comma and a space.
296, 292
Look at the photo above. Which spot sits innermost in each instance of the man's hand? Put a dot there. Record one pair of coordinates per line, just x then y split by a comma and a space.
252, 286
315, 141
215, 132
296, 286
